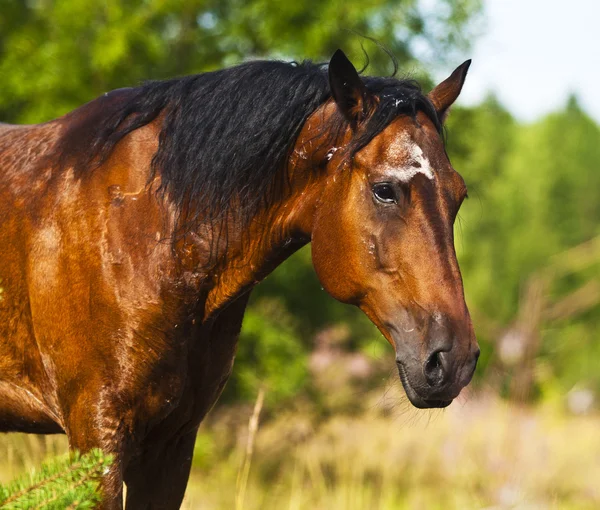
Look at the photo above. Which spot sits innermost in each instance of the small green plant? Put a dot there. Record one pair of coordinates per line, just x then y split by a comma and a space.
70, 481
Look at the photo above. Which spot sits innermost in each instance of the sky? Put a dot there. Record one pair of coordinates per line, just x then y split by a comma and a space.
534, 53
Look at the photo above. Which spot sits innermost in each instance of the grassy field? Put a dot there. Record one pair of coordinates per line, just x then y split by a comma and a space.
481, 453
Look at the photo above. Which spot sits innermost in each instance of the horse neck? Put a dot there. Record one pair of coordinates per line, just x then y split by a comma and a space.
276, 233
250, 253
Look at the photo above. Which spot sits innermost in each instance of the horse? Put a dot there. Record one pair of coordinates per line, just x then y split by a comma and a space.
134, 228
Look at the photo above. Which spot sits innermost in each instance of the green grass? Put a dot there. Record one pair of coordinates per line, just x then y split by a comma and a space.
479, 453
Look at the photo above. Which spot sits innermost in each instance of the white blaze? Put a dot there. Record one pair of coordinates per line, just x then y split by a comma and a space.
414, 161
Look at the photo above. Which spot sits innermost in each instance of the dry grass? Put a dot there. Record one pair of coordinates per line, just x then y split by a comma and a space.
478, 454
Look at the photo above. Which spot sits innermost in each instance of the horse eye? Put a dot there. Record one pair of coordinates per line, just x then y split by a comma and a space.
384, 193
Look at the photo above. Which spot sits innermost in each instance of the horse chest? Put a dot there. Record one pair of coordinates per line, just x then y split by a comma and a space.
209, 365
178, 388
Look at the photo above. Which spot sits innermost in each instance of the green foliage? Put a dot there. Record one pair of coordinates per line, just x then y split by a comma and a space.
58, 54
535, 192
271, 354
70, 481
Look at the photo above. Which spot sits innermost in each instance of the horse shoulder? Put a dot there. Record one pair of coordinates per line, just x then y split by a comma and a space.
208, 368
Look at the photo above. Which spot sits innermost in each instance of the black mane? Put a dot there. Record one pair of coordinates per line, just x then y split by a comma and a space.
227, 135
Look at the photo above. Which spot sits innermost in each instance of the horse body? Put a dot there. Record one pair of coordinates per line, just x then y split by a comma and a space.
78, 263
119, 328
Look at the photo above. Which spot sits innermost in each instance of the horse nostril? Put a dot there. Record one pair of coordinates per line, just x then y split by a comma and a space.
434, 368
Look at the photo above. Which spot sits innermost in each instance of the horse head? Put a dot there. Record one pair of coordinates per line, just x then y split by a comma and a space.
382, 229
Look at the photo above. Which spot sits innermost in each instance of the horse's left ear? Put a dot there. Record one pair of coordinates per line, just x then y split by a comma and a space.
348, 90
444, 95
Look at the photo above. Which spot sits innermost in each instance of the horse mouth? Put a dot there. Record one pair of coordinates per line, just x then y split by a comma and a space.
415, 399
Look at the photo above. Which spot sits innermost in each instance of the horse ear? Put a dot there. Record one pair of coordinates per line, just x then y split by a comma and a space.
444, 95
348, 90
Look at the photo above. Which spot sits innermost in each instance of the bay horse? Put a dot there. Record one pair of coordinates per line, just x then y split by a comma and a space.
133, 229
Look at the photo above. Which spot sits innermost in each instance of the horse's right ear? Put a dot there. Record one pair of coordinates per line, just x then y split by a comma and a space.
348, 90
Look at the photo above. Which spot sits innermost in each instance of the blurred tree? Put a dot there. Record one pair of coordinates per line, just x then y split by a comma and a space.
543, 201
58, 54
537, 193
273, 357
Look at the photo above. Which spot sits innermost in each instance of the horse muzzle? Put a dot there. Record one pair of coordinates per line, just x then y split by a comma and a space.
433, 370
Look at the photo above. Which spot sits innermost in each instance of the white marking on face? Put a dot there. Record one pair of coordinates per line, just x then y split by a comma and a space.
408, 160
